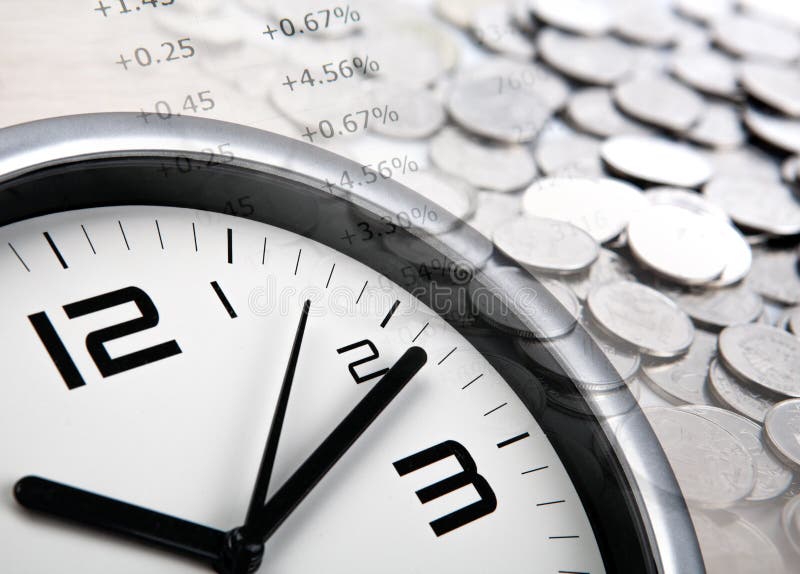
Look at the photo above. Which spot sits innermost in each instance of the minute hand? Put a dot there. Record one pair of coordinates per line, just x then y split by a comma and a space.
294, 490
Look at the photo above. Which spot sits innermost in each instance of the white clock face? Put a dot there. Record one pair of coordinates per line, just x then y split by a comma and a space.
172, 413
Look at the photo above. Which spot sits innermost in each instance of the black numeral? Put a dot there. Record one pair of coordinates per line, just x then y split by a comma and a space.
371, 357
95, 341
469, 475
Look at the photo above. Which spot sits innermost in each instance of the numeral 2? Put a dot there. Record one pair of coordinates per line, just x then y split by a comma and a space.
371, 357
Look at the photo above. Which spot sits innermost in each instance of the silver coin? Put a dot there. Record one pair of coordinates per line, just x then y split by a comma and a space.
641, 317
546, 245
772, 477
656, 160
684, 380
601, 207
790, 169
714, 469
678, 244
775, 85
461, 13
493, 27
754, 38
592, 111
447, 192
561, 152
767, 206
747, 161
594, 60
737, 395
704, 10
782, 428
608, 268
420, 113
708, 71
685, 198
505, 100
764, 356
719, 308
658, 100
551, 307
482, 165
790, 520
774, 275
646, 23
735, 546
777, 131
719, 127
493, 210
586, 17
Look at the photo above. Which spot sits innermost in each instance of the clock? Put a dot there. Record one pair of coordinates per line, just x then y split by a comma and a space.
181, 294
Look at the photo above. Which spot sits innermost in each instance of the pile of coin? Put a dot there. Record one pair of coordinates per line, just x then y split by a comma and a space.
641, 155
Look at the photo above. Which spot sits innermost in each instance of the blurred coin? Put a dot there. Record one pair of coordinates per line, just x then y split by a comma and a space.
592, 111
513, 301
684, 380
718, 127
493, 210
492, 26
659, 100
461, 13
522, 15
772, 477
602, 207
420, 113
446, 191
764, 356
753, 38
706, 70
786, 11
685, 198
483, 165
704, 10
782, 429
719, 308
714, 469
778, 131
762, 205
646, 22
735, 546
587, 17
737, 395
747, 161
790, 520
642, 317
790, 169
594, 60
774, 275
678, 244
566, 153
656, 160
775, 85
608, 268
546, 245
505, 100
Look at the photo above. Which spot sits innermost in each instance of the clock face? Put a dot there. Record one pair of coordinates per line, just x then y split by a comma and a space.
147, 344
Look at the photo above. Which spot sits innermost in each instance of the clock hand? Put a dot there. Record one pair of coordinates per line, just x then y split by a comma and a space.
166, 532
251, 559
289, 496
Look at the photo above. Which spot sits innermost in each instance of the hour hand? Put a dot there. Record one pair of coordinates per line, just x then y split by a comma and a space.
90, 509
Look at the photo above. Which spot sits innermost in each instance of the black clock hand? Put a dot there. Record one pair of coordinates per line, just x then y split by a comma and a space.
89, 509
289, 496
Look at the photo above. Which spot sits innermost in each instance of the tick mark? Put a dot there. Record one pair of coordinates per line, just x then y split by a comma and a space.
535, 469
89, 240
550, 503
124, 236
329, 276
571, 572
230, 246
28, 269
55, 250
194, 233
494, 409
512, 440
362, 292
223, 299
447, 355
472, 381
562, 537
414, 340
264, 253
297, 265
390, 313
160, 239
